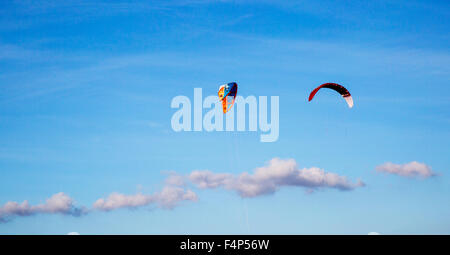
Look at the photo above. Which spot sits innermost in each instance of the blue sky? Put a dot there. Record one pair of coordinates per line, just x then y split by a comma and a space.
85, 92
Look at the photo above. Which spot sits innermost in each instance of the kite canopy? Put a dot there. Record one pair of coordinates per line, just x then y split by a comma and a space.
336, 87
227, 94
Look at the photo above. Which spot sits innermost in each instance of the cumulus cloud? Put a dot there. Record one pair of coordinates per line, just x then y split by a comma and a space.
116, 200
172, 194
168, 197
268, 179
411, 169
265, 180
59, 203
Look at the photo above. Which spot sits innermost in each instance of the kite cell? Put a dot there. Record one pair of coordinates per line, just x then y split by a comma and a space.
227, 94
336, 87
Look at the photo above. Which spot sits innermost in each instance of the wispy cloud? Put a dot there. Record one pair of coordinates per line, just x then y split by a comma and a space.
411, 169
270, 178
70, 72
34, 13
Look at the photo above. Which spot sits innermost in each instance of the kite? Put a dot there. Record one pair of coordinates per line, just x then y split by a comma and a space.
227, 95
338, 88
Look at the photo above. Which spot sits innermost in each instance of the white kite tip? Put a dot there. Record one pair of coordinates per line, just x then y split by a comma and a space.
349, 101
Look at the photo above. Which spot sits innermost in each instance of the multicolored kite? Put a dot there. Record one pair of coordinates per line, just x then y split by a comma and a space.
227, 94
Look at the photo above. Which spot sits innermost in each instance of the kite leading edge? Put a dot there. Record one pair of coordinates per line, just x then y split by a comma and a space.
336, 87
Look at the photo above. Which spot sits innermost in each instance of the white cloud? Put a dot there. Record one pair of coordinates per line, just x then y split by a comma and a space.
373, 233
171, 195
59, 203
268, 179
116, 200
207, 179
411, 169
168, 197
264, 180
73, 234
